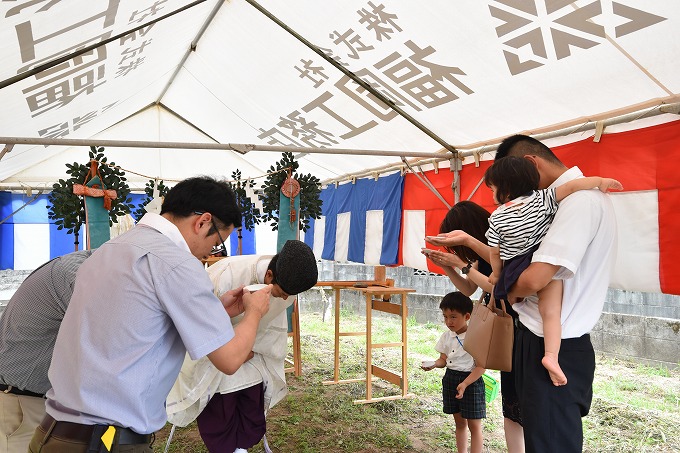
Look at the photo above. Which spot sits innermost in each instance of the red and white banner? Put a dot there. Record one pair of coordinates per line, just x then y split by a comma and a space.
646, 161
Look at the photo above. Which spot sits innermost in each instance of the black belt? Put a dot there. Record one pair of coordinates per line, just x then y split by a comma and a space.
83, 433
15, 391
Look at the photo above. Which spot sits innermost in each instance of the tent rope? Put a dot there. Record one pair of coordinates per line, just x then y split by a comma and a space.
35, 197
156, 178
422, 178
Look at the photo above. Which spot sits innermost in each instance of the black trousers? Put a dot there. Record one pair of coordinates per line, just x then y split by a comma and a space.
551, 416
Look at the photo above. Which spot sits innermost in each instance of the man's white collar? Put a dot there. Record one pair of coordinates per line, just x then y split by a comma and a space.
572, 173
165, 227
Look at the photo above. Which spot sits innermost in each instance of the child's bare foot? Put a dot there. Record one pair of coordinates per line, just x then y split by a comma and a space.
550, 363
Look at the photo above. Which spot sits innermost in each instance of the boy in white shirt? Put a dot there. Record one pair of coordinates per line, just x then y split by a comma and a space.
468, 407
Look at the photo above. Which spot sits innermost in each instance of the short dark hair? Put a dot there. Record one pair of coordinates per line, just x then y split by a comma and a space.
203, 194
456, 301
513, 177
523, 145
470, 217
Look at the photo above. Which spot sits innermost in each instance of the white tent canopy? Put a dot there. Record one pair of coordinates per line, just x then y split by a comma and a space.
460, 75
175, 89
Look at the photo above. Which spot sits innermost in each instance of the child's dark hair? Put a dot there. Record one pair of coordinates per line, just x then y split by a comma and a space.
513, 177
456, 301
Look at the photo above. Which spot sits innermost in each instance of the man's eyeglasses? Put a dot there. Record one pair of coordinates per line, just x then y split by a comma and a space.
218, 249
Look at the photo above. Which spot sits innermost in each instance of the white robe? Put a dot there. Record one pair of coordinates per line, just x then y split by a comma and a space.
199, 379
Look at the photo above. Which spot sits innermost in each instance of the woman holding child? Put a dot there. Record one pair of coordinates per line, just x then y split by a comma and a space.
467, 223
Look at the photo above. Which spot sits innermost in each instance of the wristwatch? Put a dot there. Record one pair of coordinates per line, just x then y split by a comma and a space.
466, 269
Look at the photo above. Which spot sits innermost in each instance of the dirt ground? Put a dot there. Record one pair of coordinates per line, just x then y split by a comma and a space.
635, 409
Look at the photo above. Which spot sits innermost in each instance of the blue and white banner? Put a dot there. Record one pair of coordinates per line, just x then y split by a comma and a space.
360, 221
29, 239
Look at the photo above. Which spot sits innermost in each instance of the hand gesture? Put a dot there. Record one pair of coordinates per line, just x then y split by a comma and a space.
258, 301
493, 279
445, 259
455, 237
609, 184
232, 301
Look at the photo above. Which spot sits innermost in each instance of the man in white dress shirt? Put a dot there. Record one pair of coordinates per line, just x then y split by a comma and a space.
580, 249
140, 302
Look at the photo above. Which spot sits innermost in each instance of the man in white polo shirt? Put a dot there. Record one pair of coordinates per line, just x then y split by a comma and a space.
579, 249
140, 302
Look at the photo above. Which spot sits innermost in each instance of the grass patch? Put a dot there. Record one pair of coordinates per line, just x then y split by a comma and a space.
637, 386
654, 371
635, 407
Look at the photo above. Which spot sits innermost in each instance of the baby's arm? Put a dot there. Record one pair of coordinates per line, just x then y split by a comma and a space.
475, 374
496, 264
604, 184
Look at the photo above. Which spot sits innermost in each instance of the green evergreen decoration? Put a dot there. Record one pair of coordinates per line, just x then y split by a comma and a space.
148, 190
68, 210
251, 215
310, 191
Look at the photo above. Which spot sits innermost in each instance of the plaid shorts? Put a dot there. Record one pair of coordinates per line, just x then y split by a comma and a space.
473, 404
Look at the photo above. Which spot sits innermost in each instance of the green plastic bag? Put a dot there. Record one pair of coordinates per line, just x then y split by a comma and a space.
490, 387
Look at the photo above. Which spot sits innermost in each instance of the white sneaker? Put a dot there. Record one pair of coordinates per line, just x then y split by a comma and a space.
240, 450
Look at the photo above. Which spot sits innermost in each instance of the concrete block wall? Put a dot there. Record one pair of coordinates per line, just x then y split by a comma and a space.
644, 327
650, 340
654, 305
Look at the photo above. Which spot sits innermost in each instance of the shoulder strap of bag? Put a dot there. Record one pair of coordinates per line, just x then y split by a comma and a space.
493, 303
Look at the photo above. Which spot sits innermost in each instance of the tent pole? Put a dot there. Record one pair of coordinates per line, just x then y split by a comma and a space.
238, 147
455, 185
588, 124
422, 158
50, 64
490, 148
192, 48
47, 187
6, 149
384, 99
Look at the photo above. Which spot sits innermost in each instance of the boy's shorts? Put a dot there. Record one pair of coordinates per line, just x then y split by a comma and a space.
473, 404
